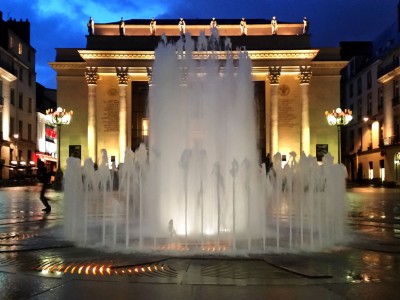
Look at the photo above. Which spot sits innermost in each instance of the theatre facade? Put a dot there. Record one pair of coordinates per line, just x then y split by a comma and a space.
106, 84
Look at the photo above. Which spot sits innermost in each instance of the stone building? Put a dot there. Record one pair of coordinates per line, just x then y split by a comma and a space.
106, 84
17, 98
371, 88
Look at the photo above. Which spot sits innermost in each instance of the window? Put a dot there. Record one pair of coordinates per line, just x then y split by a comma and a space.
12, 126
12, 97
21, 101
371, 170
29, 55
359, 86
369, 80
20, 128
11, 42
380, 98
369, 104
360, 137
30, 79
21, 73
20, 49
359, 109
382, 169
145, 127
29, 132
29, 158
30, 104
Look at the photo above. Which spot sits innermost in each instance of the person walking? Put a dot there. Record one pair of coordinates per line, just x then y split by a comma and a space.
44, 177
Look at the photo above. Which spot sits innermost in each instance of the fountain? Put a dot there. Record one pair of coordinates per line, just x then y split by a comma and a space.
200, 187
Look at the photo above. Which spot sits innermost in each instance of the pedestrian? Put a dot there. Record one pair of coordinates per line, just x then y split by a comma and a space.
268, 163
44, 177
274, 26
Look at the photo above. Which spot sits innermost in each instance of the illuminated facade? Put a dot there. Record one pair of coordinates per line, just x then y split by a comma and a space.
106, 85
372, 90
18, 99
46, 142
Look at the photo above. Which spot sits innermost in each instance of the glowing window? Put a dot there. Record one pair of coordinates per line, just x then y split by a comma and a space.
145, 127
11, 42
371, 170
19, 48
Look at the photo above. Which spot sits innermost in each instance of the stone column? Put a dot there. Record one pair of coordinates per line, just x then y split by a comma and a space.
123, 77
91, 79
305, 77
388, 117
273, 76
6, 108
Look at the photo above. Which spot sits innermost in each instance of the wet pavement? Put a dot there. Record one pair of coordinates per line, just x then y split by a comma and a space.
36, 263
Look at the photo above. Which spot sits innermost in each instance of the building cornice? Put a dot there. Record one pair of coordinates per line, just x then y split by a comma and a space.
88, 55
7, 75
329, 64
68, 65
389, 75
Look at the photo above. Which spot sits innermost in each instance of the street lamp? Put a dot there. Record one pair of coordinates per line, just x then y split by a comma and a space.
57, 118
339, 118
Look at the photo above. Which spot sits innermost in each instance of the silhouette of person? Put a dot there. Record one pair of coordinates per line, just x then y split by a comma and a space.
90, 26
243, 27
122, 27
274, 26
44, 177
182, 26
153, 26
306, 25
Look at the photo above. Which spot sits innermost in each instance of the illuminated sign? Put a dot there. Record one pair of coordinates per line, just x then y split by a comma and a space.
50, 134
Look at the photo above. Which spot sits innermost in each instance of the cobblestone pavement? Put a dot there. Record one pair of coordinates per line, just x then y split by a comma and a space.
36, 263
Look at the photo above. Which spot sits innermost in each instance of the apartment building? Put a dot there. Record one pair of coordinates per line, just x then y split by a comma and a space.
17, 97
371, 89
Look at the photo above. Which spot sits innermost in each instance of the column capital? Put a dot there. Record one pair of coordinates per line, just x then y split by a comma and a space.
122, 74
91, 75
305, 74
274, 75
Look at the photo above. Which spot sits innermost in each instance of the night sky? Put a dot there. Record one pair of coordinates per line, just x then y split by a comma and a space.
62, 23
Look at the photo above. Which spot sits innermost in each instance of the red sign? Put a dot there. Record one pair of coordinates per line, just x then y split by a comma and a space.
51, 134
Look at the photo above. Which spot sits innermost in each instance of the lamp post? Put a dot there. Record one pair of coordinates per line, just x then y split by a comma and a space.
57, 118
339, 118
